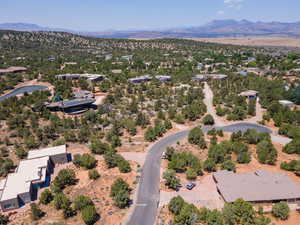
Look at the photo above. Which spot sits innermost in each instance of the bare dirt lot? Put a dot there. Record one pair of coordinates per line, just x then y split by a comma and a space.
255, 41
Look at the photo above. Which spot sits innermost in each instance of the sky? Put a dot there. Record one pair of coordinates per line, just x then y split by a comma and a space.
103, 15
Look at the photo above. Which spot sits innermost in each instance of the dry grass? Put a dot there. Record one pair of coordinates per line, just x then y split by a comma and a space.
255, 41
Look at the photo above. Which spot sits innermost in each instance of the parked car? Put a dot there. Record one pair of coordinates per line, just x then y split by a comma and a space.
164, 156
191, 185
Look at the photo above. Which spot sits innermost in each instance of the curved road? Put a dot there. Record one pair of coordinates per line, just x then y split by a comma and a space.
22, 90
148, 193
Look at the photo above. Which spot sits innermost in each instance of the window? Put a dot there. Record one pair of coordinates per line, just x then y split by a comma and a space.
9, 206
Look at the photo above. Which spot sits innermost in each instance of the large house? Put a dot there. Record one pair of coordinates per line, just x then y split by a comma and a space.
13, 69
249, 94
73, 106
256, 187
89, 77
203, 77
20, 187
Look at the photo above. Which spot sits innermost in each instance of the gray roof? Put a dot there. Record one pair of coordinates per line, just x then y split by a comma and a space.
256, 186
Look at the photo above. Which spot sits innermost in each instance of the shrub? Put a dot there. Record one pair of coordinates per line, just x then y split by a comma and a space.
61, 201
293, 165
46, 197
228, 165
293, 147
86, 161
176, 204
266, 152
209, 165
93, 174
68, 212
208, 120
81, 201
4, 219
98, 147
111, 159
21, 153
281, 210
196, 137
120, 193
191, 174
171, 180
64, 178
124, 166
89, 215
36, 212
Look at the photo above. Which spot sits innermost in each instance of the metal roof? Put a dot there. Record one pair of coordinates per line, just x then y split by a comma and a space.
256, 186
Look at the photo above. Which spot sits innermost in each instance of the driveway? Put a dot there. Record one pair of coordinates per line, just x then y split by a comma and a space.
148, 197
205, 194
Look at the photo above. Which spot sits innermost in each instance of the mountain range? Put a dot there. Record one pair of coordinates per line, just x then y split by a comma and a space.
216, 28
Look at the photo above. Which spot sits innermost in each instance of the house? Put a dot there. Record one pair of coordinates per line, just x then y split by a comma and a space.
108, 57
127, 57
199, 66
89, 77
163, 78
116, 71
13, 69
286, 103
199, 77
57, 154
73, 106
256, 187
203, 77
243, 73
52, 59
21, 187
249, 94
83, 94
140, 79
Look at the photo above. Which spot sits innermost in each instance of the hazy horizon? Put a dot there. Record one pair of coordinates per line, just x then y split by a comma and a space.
93, 15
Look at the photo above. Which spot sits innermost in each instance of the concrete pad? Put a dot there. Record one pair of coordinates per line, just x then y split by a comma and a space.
138, 157
205, 194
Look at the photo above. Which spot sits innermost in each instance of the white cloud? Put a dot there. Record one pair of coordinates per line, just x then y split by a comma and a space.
235, 4
232, 1
220, 12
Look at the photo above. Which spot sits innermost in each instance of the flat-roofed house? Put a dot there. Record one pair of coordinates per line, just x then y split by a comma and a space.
89, 77
140, 79
57, 154
257, 186
13, 69
20, 187
286, 103
163, 78
249, 94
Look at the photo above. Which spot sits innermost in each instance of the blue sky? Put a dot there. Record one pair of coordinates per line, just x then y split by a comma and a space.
97, 15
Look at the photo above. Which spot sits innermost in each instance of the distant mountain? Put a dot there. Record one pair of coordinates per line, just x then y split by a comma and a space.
29, 27
216, 28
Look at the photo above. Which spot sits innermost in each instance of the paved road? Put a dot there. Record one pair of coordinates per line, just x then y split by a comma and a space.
22, 90
148, 193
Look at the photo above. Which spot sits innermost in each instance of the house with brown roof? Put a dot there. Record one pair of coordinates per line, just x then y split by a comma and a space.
258, 186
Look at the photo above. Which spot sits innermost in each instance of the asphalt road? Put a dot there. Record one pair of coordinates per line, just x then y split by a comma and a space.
148, 194
22, 90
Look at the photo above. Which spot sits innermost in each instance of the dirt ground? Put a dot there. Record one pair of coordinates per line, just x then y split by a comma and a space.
255, 41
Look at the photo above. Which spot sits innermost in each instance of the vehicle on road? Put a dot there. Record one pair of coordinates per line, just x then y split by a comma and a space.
191, 185
164, 156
